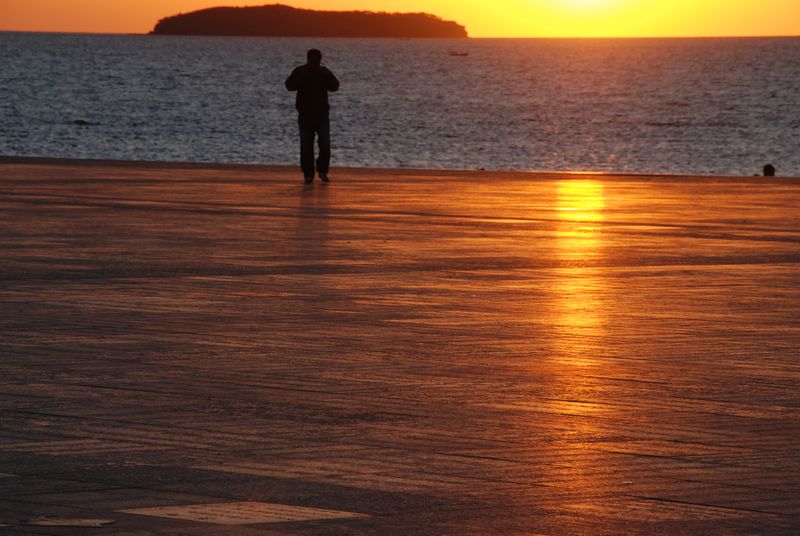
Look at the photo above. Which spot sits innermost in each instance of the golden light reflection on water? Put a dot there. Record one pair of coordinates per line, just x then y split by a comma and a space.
579, 286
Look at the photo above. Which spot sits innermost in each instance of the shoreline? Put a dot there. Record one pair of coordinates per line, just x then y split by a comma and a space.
408, 172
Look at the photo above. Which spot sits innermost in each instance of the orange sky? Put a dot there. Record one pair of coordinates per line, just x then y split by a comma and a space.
483, 18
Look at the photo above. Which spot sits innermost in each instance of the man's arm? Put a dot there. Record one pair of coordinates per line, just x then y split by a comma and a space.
333, 82
293, 82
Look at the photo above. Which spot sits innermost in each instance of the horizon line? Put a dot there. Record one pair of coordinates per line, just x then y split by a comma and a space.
768, 36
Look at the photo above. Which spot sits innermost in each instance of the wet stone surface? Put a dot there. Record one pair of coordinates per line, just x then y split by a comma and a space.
243, 513
399, 352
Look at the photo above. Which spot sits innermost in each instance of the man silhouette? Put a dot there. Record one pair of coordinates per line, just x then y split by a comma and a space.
312, 82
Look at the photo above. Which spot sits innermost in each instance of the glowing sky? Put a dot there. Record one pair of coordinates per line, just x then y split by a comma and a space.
483, 18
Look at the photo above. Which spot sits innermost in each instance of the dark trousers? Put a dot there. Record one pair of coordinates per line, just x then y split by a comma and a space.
314, 126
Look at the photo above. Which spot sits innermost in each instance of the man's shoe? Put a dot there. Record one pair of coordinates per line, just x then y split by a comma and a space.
324, 177
309, 180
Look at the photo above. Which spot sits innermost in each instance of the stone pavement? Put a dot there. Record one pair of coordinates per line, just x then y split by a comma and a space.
219, 350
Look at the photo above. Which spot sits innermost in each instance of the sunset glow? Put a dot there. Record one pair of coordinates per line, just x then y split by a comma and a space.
483, 18
588, 3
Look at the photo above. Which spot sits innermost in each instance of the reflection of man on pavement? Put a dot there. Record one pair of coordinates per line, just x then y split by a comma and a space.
312, 82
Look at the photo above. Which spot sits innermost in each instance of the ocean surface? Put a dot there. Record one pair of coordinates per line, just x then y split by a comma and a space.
711, 106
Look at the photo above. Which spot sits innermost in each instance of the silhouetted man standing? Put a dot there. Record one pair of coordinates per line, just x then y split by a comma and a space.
312, 82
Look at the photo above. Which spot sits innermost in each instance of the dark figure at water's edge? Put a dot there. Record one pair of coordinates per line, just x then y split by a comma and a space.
312, 82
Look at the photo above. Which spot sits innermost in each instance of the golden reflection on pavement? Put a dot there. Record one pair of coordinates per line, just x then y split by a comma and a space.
579, 285
581, 200
579, 334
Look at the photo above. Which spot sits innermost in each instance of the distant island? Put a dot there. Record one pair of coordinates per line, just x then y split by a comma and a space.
285, 21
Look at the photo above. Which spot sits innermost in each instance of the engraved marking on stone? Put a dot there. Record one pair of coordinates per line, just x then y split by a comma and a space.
64, 522
242, 513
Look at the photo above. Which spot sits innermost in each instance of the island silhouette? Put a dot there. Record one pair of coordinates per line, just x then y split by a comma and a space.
284, 21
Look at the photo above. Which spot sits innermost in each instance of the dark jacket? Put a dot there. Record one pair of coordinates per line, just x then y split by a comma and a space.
312, 83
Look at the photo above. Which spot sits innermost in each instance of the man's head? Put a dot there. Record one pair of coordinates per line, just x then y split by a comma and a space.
314, 57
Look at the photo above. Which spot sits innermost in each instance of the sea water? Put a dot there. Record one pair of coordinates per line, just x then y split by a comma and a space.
711, 106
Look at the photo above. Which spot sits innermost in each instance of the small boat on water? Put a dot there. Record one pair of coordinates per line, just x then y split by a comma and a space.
458, 53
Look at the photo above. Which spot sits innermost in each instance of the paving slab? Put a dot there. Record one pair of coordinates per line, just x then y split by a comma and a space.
189, 346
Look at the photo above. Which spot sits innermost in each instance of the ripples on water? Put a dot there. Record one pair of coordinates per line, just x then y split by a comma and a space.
719, 106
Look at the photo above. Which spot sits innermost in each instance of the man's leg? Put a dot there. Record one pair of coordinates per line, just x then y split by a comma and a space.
306, 147
324, 141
